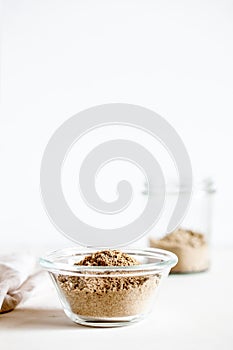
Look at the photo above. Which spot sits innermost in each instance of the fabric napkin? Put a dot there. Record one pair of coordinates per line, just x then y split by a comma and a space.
18, 279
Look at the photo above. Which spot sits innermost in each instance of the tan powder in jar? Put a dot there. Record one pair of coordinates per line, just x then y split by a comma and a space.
190, 247
108, 296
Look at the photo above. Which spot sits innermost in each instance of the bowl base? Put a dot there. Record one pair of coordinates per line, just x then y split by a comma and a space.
103, 322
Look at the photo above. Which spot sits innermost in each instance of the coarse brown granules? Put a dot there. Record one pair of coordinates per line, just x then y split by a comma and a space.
103, 297
190, 247
108, 258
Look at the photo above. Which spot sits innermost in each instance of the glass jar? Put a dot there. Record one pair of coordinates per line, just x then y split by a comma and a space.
191, 240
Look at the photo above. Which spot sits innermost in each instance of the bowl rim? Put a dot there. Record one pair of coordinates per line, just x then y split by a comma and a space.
166, 258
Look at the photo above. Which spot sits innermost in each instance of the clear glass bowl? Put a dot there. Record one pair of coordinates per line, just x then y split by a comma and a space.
107, 296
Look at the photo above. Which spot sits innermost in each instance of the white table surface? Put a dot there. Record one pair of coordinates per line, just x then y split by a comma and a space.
192, 312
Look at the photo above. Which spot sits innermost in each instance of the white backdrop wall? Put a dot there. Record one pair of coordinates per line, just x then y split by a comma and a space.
61, 56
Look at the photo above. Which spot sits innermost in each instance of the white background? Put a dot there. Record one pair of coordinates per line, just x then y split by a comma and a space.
60, 57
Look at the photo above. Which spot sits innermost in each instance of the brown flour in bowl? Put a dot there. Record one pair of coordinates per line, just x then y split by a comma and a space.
190, 247
109, 296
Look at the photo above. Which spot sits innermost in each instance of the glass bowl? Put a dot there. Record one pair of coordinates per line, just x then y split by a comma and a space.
107, 296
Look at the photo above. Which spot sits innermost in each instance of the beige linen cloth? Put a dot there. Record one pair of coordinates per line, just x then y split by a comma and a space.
19, 276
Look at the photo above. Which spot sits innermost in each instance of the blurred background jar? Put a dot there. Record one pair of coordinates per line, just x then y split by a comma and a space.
191, 240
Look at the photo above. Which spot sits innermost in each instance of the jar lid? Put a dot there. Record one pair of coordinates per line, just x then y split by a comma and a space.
206, 185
